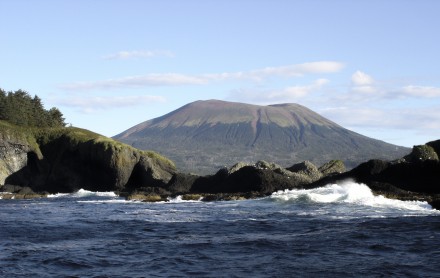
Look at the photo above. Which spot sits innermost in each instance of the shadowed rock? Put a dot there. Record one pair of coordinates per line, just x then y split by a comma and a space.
68, 159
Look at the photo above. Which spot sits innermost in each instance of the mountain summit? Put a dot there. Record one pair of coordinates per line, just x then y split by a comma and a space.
203, 136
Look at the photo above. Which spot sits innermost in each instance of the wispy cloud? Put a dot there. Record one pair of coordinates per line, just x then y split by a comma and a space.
164, 79
288, 94
178, 79
421, 91
298, 69
134, 54
426, 119
90, 104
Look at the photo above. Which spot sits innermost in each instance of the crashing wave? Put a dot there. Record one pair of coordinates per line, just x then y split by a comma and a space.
347, 192
83, 193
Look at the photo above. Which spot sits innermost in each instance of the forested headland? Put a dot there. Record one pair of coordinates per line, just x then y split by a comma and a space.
22, 109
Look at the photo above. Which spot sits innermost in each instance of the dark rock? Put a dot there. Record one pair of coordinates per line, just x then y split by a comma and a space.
237, 167
69, 159
16, 189
19, 192
181, 183
150, 173
10, 188
435, 145
255, 179
404, 179
435, 204
231, 196
261, 177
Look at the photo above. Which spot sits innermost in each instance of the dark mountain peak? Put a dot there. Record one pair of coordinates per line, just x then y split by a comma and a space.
205, 135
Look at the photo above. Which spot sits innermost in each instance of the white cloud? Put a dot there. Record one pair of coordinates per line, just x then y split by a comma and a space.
421, 91
138, 54
165, 79
296, 92
363, 83
90, 104
177, 79
298, 69
422, 119
356, 117
288, 94
360, 78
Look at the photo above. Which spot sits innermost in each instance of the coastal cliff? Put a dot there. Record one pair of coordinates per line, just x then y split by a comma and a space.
67, 159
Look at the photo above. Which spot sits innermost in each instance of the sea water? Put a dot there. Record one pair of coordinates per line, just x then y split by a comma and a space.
340, 230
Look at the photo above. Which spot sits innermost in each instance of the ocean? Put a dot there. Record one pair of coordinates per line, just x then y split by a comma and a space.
340, 230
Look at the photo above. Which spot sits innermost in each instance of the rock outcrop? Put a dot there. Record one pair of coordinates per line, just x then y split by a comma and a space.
67, 159
14, 151
247, 180
413, 177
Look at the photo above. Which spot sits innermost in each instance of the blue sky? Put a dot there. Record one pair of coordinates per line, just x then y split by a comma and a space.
370, 66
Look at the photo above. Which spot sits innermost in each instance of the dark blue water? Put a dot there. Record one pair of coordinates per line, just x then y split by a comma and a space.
339, 231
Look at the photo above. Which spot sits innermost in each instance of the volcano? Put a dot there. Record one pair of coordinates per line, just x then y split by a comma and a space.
203, 136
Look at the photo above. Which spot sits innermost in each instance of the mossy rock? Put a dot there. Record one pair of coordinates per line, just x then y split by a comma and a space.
66, 159
422, 153
332, 167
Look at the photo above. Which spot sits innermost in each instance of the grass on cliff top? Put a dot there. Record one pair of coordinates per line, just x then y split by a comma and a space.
79, 135
35, 136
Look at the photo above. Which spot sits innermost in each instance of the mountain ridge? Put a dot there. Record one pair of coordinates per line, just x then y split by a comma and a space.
203, 136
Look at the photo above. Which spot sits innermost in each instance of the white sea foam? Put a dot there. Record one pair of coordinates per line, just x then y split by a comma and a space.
83, 193
179, 199
347, 192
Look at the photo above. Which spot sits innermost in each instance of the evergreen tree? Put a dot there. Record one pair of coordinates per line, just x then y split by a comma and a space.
21, 109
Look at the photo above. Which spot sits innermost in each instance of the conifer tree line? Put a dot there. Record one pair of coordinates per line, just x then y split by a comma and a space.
20, 108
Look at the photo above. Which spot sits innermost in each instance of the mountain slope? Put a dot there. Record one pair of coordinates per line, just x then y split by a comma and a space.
203, 136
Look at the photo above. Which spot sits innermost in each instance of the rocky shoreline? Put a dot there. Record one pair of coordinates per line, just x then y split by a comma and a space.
66, 160
413, 177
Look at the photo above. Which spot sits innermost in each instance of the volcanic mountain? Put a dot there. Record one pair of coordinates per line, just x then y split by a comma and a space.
203, 136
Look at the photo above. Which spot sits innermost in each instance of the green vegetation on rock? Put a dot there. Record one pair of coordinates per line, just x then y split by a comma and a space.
422, 153
66, 159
